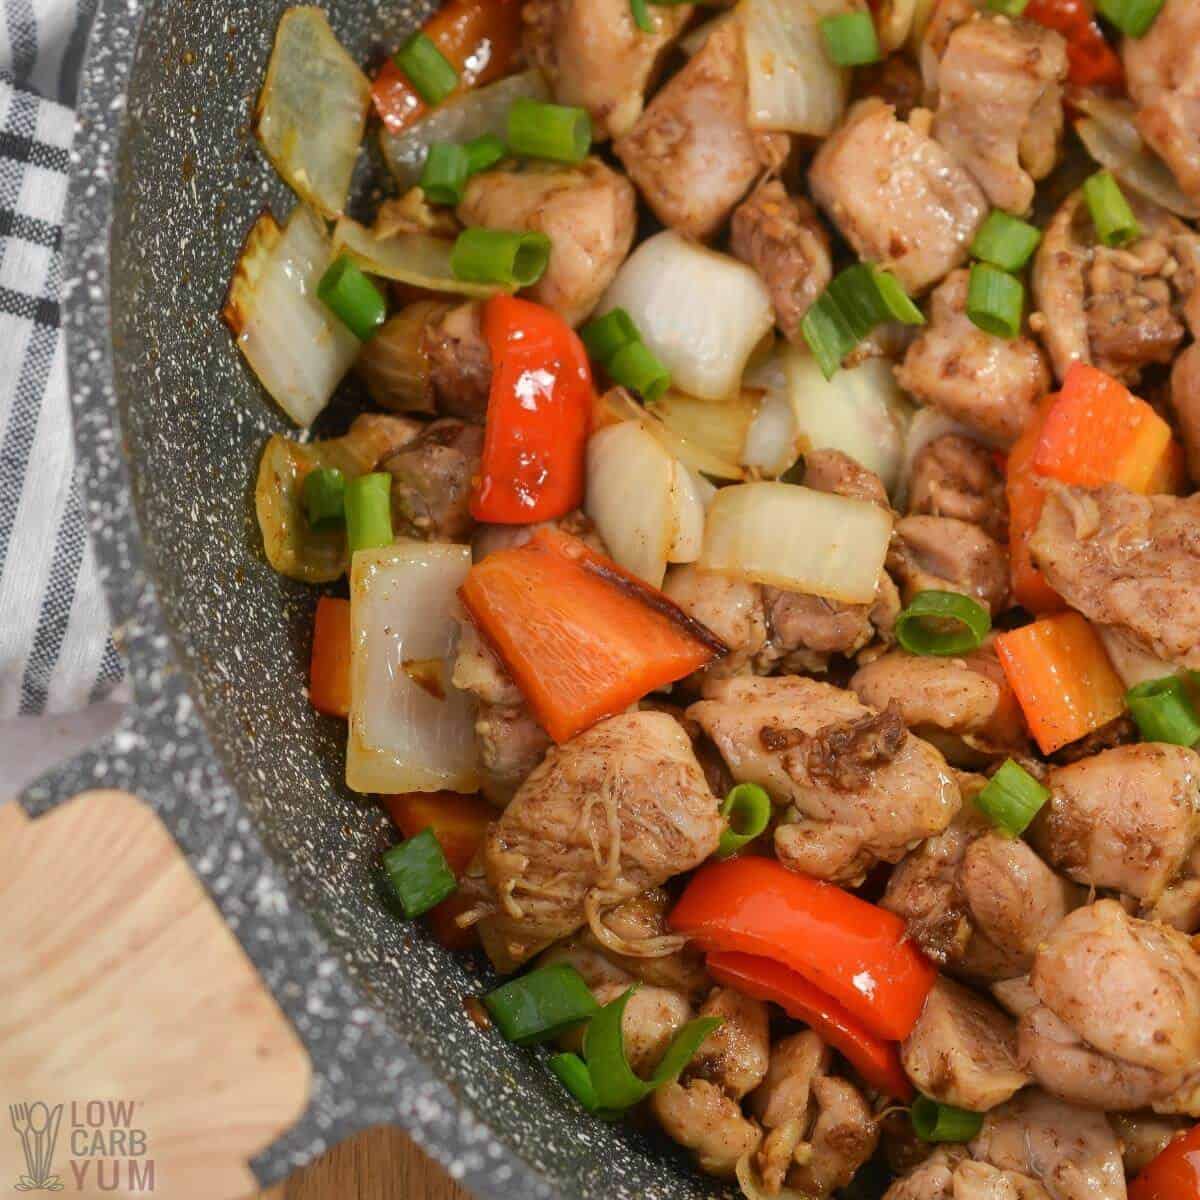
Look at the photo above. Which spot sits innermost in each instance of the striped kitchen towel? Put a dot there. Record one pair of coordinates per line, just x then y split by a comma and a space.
56, 654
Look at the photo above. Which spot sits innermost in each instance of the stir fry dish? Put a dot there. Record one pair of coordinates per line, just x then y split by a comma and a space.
762, 579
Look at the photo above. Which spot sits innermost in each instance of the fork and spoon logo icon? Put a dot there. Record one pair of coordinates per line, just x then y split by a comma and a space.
36, 1125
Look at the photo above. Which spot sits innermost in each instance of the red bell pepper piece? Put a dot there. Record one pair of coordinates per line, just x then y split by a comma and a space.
582, 638
876, 1060
853, 951
538, 418
1092, 62
1174, 1174
329, 667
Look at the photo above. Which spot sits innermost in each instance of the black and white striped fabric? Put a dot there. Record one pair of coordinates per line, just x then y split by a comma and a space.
56, 654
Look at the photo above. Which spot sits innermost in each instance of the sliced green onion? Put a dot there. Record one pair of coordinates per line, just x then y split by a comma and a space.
419, 873
1011, 798
1010, 8
635, 367
353, 299
1164, 712
324, 495
934, 1122
747, 811
641, 15
897, 302
603, 336
1113, 218
444, 176
541, 1005
433, 77
850, 39
922, 627
828, 334
369, 511
484, 152
1004, 241
995, 300
500, 256
1133, 17
573, 1072
554, 131
616, 1086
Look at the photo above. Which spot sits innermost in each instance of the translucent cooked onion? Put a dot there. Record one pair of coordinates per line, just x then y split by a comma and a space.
462, 118
797, 538
773, 441
298, 349
702, 313
693, 494
793, 84
403, 736
312, 110
894, 23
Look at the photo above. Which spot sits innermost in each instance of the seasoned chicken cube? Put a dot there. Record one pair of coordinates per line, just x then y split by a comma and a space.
943, 554
953, 476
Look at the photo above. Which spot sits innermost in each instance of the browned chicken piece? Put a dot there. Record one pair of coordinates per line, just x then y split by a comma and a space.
615, 811
1117, 309
948, 555
460, 364
953, 476
968, 698
594, 55
1162, 70
1185, 403
735, 1055
963, 1050
894, 81
1128, 991
982, 1181
1126, 819
487, 539
900, 199
588, 212
1000, 105
692, 153
431, 481
932, 1179
731, 608
992, 385
977, 903
842, 1139
836, 472
781, 1103
1144, 1136
783, 239
707, 1122
1126, 560
862, 788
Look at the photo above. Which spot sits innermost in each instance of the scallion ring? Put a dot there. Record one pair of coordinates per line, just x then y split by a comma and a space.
483, 152
541, 1005
429, 71
573, 1074
995, 301
1011, 798
828, 334
1113, 218
747, 813
922, 627
1005, 242
352, 298
324, 496
850, 39
934, 1122
1132, 17
635, 367
641, 15
369, 511
500, 256
603, 336
419, 874
1010, 8
444, 176
1164, 712
557, 132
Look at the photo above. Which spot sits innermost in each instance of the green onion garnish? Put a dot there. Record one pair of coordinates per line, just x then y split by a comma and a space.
484, 152
324, 496
747, 812
500, 256
828, 334
922, 627
419, 873
1133, 17
541, 1005
1005, 242
603, 336
641, 15
635, 367
1010, 8
573, 1072
850, 39
353, 299
554, 131
444, 176
431, 74
995, 300
1011, 798
934, 1122
1113, 218
369, 511
1164, 712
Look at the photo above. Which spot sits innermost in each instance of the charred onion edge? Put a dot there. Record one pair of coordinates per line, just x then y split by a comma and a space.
261, 239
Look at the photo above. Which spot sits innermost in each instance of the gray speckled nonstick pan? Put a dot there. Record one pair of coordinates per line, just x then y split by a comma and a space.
220, 740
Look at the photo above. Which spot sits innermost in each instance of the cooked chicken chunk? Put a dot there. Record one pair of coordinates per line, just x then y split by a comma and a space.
948, 555
692, 153
487, 539
844, 1137
900, 199
782, 1100
701, 1117
955, 477
783, 239
595, 56
1127, 560
588, 212
1000, 105
1127, 819
963, 1050
731, 608
836, 472
460, 364
617, 810
1185, 402
932, 1179
863, 789
734, 1056
431, 481
992, 385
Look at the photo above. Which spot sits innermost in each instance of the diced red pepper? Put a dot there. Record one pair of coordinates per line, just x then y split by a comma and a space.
538, 418
1092, 61
1026, 496
329, 666
855, 952
1174, 1174
876, 1060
